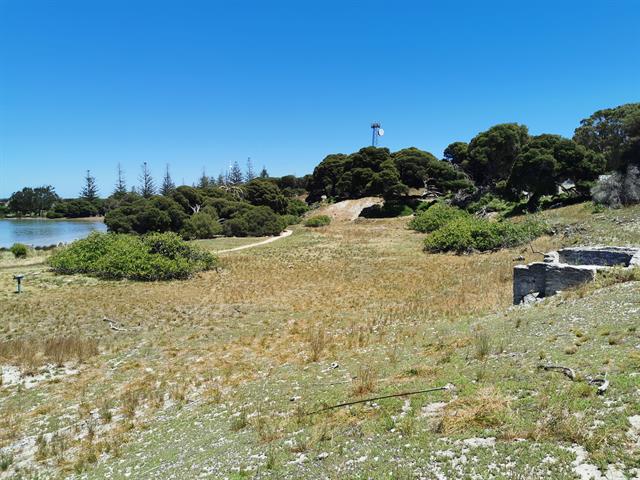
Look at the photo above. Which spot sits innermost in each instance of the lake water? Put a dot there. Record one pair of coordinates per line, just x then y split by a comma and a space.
41, 232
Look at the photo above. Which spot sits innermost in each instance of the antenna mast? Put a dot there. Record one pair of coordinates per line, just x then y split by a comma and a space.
376, 131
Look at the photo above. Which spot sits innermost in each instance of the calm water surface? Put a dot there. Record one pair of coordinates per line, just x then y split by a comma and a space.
41, 232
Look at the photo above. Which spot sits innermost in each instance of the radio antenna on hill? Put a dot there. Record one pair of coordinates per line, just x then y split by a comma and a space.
377, 131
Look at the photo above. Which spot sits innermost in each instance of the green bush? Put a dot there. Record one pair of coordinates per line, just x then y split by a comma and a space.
203, 224
156, 256
297, 207
491, 203
317, 221
436, 216
19, 250
468, 233
390, 209
291, 219
255, 222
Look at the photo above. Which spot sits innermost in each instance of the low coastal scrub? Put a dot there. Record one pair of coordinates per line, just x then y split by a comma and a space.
468, 233
435, 217
19, 250
255, 222
156, 256
317, 221
390, 209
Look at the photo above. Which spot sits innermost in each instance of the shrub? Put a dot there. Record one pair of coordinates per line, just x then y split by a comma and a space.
618, 189
141, 215
389, 209
491, 203
297, 207
255, 222
156, 256
317, 221
291, 219
262, 192
469, 233
75, 208
19, 250
435, 217
203, 224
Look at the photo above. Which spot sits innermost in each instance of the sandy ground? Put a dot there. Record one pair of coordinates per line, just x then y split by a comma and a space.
348, 210
284, 234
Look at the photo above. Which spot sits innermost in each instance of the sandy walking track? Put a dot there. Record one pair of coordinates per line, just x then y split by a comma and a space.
284, 234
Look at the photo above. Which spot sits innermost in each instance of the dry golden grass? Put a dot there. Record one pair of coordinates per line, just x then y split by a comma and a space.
316, 295
365, 381
487, 408
31, 353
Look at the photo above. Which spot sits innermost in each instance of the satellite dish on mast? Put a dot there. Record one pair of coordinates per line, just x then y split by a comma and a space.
380, 132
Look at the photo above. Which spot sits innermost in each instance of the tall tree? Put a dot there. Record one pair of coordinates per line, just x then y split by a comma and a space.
456, 152
491, 154
147, 185
90, 189
418, 169
220, 180
204, 181
613, 132
121, 186
33, 200
167, 183
235, 174
250, 175
264, 173
548, 160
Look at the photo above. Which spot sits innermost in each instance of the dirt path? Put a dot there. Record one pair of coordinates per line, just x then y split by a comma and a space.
284, 234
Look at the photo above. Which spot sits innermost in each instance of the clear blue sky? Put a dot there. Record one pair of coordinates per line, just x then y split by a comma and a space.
90, 83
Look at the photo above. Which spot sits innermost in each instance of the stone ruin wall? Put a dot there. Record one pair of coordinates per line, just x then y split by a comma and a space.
568, 268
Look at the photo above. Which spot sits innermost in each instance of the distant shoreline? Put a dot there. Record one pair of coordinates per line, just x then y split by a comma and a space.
79, 219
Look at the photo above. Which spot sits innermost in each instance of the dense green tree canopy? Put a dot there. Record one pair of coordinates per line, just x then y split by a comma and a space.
254, 222
418, 168
75, 208
32, 200
548, 160
456, 153
375, 171
491, 154
263, 192
137, 214
613, 132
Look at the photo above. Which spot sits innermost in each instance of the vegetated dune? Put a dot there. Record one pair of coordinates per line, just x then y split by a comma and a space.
348, 210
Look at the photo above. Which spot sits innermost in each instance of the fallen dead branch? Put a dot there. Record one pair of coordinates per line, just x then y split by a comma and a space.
447, 387
569, 372
601, 383
114, 325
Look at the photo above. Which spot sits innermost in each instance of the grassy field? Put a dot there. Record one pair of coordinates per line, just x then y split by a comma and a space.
215, 377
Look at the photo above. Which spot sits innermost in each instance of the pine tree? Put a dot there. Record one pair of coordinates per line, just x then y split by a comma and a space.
235, 174
220, 180
121, 186
167, 183
90, 190
147, 185
264, 173
250, 175
204, 181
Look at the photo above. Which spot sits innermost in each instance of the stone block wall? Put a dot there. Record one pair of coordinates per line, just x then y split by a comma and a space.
568, 268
